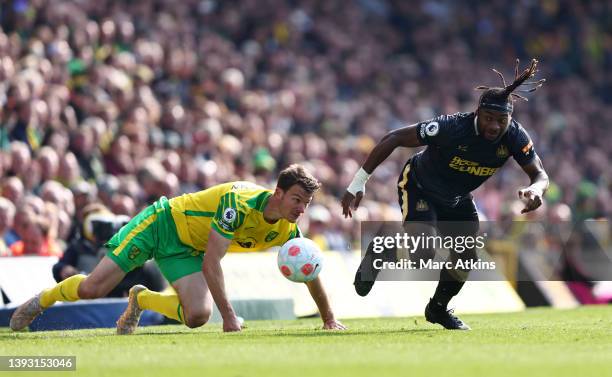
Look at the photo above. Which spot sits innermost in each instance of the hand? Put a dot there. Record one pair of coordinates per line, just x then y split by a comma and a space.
232, 324
532, 198
332, 324
347, 203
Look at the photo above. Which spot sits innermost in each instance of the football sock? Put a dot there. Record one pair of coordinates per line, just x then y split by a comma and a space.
166, 303
448, 287
66, 290
368, 272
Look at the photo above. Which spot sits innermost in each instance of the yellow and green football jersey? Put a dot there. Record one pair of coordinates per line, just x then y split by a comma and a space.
233, 209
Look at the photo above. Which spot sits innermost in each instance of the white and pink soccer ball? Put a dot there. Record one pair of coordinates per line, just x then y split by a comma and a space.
300, 260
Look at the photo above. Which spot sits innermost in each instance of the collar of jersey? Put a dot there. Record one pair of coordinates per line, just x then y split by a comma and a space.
264, 204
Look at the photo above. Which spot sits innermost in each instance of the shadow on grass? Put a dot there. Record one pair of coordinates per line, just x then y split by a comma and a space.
297, 333
73, 334
323, 333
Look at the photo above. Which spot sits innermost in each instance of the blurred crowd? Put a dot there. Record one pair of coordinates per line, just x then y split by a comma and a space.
120, 102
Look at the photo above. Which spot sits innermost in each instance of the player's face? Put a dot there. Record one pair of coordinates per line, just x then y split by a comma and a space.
492, 123
294, 202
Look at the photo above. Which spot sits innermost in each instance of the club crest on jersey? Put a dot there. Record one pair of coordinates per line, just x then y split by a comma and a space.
272, 235
422, 206
502, 151
432, 128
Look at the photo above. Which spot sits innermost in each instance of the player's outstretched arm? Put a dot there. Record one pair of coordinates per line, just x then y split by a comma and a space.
402, 137
317, 291
533, 195
213, 273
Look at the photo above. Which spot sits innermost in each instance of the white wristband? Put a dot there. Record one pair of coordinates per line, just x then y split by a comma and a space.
358, 183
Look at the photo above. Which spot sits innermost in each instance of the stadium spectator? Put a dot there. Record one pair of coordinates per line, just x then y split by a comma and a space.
84, 147
12, 189
322, 230
123, 205
7, 214
20, 159
36, 233
48, 161
69, 171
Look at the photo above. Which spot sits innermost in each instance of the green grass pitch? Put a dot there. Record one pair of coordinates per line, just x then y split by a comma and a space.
532, 343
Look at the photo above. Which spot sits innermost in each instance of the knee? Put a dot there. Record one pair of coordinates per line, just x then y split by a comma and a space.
89, 291
197, 318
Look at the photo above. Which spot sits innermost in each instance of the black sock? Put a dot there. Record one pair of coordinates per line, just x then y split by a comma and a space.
448, 287
366, 267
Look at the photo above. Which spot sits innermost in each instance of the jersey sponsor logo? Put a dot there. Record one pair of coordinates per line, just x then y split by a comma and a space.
471, 167
527, 148
422, 206
243, 186
247, 243
432, 128
502, 151
272, 235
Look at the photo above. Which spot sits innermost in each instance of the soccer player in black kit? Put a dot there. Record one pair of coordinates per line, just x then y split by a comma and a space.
463, 150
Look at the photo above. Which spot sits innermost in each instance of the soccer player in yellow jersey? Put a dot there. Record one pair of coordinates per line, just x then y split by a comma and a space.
177, 233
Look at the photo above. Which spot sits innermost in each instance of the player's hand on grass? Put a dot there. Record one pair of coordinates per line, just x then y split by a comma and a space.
531, 197
349, 200
232, 324
332, 324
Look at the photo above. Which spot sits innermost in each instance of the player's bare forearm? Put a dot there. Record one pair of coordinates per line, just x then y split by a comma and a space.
317, 291
537, 175
213, 273
534, 194
540, 181
402, 137
214, 278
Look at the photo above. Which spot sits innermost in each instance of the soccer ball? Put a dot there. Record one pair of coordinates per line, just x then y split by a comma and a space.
300, 260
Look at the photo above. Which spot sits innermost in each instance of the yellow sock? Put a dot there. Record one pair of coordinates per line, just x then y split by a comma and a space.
167, 304
66, 290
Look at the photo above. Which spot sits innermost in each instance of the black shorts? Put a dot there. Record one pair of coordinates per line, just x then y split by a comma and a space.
417, 206
422, 214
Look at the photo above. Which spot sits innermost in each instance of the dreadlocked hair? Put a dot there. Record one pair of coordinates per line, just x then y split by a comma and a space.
506, 93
